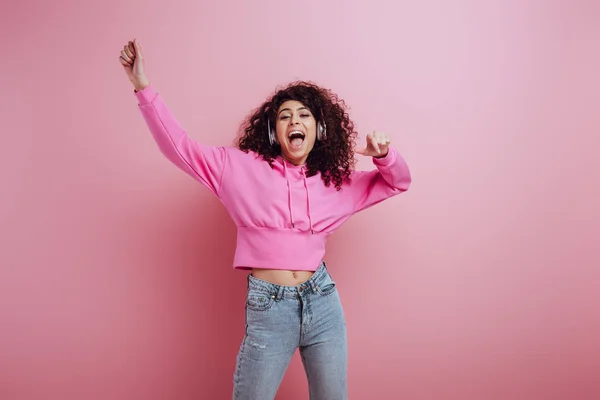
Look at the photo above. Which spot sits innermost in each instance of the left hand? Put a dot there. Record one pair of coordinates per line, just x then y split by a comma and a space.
377, 145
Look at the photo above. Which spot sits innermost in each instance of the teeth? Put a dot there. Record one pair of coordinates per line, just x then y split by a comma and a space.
295, 133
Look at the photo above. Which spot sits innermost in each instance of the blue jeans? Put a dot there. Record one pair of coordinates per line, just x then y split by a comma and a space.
281, 319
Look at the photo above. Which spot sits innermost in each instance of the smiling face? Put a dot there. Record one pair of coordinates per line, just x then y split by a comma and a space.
296, 131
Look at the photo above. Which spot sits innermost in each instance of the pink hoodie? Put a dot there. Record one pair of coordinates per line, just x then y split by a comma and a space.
283, 217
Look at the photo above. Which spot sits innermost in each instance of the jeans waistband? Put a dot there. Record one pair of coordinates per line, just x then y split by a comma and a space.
281, 291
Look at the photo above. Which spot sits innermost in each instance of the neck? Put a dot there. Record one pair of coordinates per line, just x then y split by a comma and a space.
296, 162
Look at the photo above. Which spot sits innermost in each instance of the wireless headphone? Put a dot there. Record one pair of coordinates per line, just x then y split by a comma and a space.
321, 132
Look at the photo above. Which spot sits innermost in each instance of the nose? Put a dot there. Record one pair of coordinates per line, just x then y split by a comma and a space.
294, 120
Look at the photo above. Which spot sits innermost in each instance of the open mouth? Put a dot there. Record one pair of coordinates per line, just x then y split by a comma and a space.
296, 139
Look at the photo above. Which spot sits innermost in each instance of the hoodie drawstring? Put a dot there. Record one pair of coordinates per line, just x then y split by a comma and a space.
289, 194
307, 202
290, 205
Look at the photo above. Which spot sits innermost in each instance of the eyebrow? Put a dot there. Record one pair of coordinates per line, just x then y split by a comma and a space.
289, 109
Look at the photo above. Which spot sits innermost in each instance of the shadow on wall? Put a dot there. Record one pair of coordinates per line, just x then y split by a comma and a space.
200, 298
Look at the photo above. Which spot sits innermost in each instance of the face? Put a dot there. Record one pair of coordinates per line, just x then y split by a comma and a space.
296, 131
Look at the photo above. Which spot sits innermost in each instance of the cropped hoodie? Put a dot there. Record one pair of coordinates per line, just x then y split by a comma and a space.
283, 216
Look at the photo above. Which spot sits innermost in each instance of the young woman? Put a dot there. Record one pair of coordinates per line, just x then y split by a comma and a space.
288, 184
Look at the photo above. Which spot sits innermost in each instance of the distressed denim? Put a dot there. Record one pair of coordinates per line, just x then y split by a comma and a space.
281, 319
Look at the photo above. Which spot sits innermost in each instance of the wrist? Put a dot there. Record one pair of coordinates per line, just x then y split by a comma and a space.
388, 159
141, 84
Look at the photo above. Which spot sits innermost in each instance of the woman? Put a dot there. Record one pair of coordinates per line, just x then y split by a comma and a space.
288, 184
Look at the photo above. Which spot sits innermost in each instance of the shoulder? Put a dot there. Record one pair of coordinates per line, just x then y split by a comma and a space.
240, 159
236, 154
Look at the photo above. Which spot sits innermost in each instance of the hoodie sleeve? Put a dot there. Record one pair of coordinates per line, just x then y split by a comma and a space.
391, 177
203, 163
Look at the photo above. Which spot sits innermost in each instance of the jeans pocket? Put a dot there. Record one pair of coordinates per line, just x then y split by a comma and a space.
259, 301
326, 286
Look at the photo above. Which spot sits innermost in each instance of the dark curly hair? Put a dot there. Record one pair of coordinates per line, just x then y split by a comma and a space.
333, 157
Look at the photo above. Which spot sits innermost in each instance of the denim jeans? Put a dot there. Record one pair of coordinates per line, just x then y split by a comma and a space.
281, 319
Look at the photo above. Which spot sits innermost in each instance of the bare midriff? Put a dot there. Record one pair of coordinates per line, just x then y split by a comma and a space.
282, 277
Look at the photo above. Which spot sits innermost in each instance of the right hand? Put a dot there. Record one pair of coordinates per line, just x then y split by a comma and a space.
133, 61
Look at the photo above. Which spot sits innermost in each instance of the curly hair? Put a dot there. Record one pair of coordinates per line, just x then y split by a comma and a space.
333, 157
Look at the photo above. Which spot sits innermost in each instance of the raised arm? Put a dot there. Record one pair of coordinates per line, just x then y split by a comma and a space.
201, 162
390, 177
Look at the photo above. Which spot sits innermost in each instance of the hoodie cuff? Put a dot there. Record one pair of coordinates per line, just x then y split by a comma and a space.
389, 158
146, 95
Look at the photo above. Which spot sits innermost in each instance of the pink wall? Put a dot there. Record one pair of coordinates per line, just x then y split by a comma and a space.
481, 283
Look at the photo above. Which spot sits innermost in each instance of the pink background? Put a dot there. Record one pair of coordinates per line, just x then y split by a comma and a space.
482, 282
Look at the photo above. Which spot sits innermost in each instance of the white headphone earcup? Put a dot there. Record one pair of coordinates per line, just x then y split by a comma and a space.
271, 133
321, 133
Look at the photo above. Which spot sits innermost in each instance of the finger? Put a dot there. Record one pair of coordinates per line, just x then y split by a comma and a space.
374, 143
360, 150
128, 51
126, 57
384, 140
131, 47
124, 62
138, 48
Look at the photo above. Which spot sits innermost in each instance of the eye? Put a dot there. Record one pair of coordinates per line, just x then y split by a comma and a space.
284, 117
305, 115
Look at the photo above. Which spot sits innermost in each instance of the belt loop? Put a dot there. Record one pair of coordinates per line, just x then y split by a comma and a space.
279, 294
312, 284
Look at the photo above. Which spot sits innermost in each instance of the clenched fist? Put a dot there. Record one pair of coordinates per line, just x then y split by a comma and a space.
133, 61
377, 145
